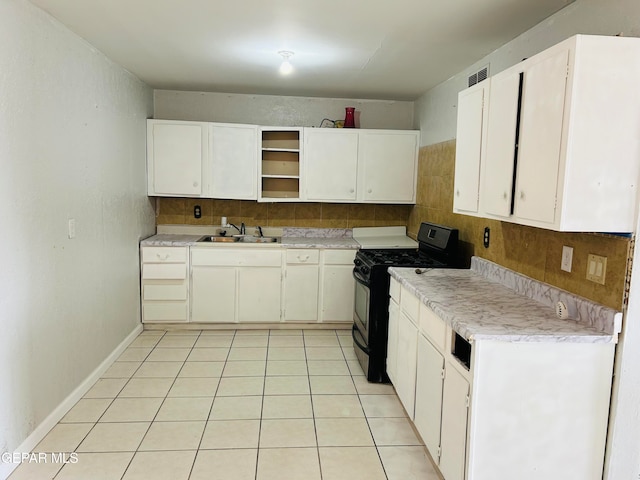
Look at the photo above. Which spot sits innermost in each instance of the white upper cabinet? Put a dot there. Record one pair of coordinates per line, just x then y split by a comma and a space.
234, 161
331, 164
387, 166
177, 154
472, 126
562, 138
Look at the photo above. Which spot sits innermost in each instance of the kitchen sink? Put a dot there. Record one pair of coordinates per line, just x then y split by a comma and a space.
238, 238
217, 238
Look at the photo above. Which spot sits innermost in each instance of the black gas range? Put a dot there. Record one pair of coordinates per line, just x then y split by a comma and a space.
437, 248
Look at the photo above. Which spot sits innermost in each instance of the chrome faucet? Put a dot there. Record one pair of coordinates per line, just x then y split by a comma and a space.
242, 228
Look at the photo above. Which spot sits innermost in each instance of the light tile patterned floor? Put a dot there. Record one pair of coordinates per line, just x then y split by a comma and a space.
236, 405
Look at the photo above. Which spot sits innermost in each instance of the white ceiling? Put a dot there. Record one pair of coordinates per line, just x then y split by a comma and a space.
382, 49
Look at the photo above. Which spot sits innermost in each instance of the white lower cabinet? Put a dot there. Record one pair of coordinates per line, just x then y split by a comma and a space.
337, 285
453, 437
301, 282
392, 340
165, 284
406, 362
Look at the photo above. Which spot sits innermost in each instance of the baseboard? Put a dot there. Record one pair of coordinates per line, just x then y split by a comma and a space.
61, 410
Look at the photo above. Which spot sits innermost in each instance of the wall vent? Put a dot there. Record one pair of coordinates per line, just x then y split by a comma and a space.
479, 76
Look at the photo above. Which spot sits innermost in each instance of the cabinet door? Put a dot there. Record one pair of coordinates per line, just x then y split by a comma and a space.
213, 294
392, 342
301, 293
541, 118
338, 293
429, 381
497, 180
330, 162
259, 294
234, 161
472, 109
455, 410
175, 155
388, 162
407, 360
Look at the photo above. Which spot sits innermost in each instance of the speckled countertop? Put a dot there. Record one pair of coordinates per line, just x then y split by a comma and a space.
482, 304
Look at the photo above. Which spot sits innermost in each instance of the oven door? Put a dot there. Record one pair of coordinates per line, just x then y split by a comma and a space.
361, 310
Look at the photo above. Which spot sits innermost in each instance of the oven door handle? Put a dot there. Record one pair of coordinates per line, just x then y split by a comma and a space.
360, 279
355, 330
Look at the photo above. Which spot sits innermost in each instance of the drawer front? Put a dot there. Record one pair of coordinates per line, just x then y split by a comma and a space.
164, 292
164, 312
410, 305
227, 257
159, 271
394, 290
164, 254
303, 255
433, 327
339, 257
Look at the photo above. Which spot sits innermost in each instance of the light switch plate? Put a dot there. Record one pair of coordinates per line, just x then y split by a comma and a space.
596, 268
71, 227
567, 258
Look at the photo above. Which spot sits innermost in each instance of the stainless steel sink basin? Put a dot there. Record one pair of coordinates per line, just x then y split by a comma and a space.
255, 239
217, 238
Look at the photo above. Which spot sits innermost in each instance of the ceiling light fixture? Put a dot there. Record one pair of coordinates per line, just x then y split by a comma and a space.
285, 68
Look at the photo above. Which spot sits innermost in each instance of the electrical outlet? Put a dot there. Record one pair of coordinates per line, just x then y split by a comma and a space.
596, 268
71, 227
567, 258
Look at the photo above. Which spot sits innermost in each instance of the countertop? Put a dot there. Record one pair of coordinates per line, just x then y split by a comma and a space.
187, 240
481, 308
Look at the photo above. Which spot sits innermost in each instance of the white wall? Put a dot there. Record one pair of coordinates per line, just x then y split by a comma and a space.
436, 110
72, 145
279, 111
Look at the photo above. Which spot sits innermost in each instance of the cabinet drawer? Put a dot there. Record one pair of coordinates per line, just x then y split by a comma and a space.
394, 290
226, 257
410, 305
164, 254
164, 292
169, 271
302, 255
164, 312
433, 327
339, 257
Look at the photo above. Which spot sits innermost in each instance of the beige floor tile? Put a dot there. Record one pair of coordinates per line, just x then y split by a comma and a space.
184, 409
288, 463
324, 353
287, 433
286, 353
64, 437
349, 353
332, 384
276, 341
407, 463
168, 354
183, 331
345, 341
121, 370
178, 341
106, 388
354, 368
132, 410
114, 437
227, 465
327, 406
382, 406
236, 408
36, 471
318, 331
286, 332
97, 466
160, 466
87, 410
247, 340
194, 387
328, 367
230, 332
286, 385
135, 354
231, 434
248, 353
147, 387
392, 431
350, 463
287, 406
321, 341
367, 388
202, 369
214, 341
237, 386
208, 355
244, 368
173, 436
145, 341
159, 369
286, 367
343, 432
252, 332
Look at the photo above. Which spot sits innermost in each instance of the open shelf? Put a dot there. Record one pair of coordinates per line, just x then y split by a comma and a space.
280, 163
281, 140
280, 187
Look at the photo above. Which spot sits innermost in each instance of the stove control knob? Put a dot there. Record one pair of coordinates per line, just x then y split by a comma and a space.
365, 270
357, 262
